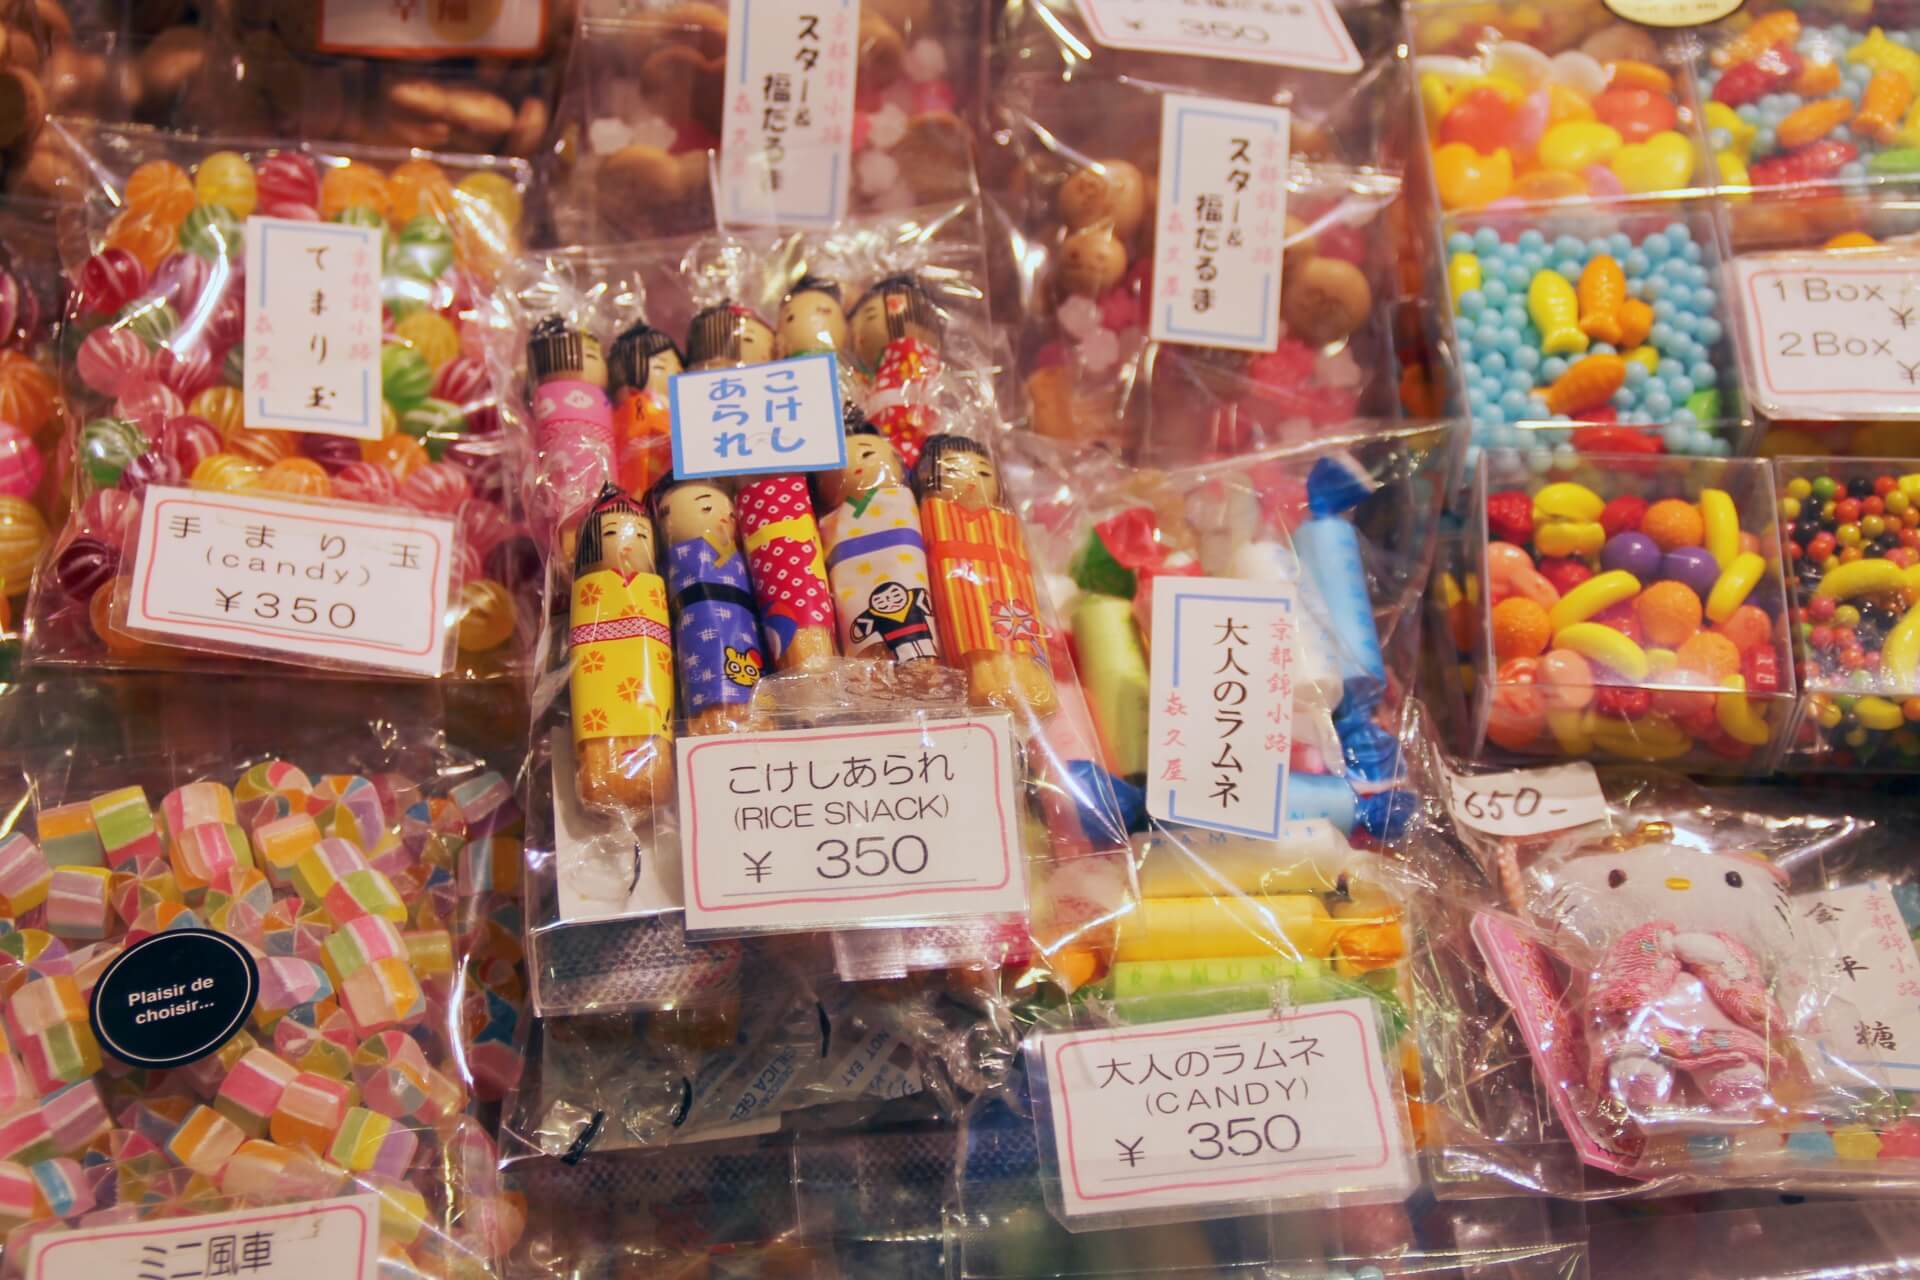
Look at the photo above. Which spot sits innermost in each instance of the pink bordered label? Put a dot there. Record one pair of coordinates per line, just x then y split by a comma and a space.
326, 584
432, 28
313, 1240
1222, 1110
850, 826
1833, 334
1306, 34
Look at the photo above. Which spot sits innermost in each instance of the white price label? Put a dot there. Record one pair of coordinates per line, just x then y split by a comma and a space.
1858, 934
779, 417
432, 28
1221, 718
850, 825
786, 149
340, 583
314, 1240
1832, 334
1307, 34
313, 327
1223, 1109
1221, 223
1527, 802
598, 879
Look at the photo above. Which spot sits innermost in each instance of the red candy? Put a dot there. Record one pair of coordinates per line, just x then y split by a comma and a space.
1564, 572
1750, 80
1816, 160
1615, 439
1637, 113
1622, 702
1621, 617
1482, 118
1510, 517
1623, 514
287, 178
109, 280
1762, 670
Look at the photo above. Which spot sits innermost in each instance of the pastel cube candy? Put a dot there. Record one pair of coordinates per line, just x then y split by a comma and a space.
63, 1187
365, 893
205, 1141
490, 865
75, 1116
391, 1069
272, 777
429, 951
161, 917
60, 1055
19, 1195
287, 982
26, 1138
403, 1210
324, 865
156, 1119
252, 1090
358, 943
210, 853
485, 801
310, 1112
196, 804
134, 892
206, 1075
43, 1003
24, 875
368, 1141
359, 799
128, 833
324, 1046
77, 902
16, 1088
267, 808
381, 995
68, 838
280, 843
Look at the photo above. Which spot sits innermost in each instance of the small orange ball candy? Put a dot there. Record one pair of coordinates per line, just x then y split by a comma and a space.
1710, 654
1674, 523
1669, 613
1521, 629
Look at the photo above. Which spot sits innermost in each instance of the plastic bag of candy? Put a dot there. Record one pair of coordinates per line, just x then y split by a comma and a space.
253, 996
652, 142
33, 491
388, 474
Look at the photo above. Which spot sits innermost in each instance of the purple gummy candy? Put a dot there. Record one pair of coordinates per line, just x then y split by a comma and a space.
335, 453
86, 565
1636, 553
155, 466
1692, 567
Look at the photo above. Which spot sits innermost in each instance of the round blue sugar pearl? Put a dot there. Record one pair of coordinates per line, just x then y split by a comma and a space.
1520, 379
1702, 374
1602, 349
1664, 309
1661, 335
1657, 403
1656, 248
1513, 403
1636, 263
1486, 239
1494, 291
1552, 367
1531, 238
1676, 437
1747, 112
1623, 398
1525, 357
1471, 302
1619, 244
1517, 277
1567, 247
1763, 140
1636, 373
1459, 242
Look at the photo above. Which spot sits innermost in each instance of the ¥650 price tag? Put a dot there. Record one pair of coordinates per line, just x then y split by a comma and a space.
1219, 1110
336, 583
1290, 33
1527, 802
849, 826
1832, 334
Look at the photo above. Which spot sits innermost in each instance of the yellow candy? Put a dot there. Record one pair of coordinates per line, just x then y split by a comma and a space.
1878, 713
1569, 538
1721, 116
23, 536
1663, 162
1901, 649
1438, 94
1565, 104
1468, 180
1463, 274
225, 471
1860, 578
1573, 145
1571, 730
225, 178
1565, 500
1733, 170
1882, 54
432, 335
1661, 661
1651, 737
494, 189
1602, 644
1555, 311
1735, 584
1856, 1142
1646, 357
1723, 525
1737, 716
1602, 591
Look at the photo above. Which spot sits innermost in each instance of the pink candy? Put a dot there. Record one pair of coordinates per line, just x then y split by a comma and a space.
438, 488
21, 466
112, 361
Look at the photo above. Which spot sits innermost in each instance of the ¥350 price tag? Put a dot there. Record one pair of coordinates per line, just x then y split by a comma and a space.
849, 826
1307, 34
1223, 1110
1832, 335
1527, 802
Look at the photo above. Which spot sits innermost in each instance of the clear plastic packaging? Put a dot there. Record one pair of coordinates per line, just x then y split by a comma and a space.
360, 1009
1630, 608
154, 371
33, 489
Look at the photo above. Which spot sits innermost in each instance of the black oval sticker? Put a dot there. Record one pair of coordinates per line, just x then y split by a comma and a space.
173, 998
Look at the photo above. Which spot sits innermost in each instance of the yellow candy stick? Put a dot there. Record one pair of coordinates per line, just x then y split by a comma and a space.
1228, 925
1862, 578
1878, 713
1737, 716
1566, 500
1602, 591
1901, 649
1648, 738
1572, 730
1736, 583
1603, 644
1463, 274
1569, 538
1723, 525
1555, 310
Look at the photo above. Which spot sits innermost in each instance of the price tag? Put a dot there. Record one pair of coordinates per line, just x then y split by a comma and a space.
1859, 935
1832, 334
850, 825
337, 583
1290, 33
1221, 222
1223, 1109
595, 882
786, 153
1670, 14
432, 28
1221, 717
782, 416
1527, 802
314, 1240
313, 327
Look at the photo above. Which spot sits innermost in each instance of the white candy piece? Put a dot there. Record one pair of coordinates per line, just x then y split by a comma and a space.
1580, 72
1521, 63
876, 171
1099, 351
926, 60
886, 127
606, 135
1445, 66
1079, 317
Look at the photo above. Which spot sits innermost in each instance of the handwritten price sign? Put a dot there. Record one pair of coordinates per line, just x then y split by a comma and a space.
1527, 802
1832, 335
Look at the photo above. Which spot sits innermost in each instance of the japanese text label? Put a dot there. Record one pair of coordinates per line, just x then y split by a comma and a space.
1527, 802
1290, 33
432, 28
851, 825
782, 416
787, 121
1857, 933
1221, 717
335, 583
594, 884
315, 1240
1832, 334
1221, 223
313, 327
1224, 1109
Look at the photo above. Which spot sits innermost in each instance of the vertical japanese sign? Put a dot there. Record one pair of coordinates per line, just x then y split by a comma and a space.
783, 416
1221, 223
316, 1240
1859, 936
338, 583
787, 120
432, 28
1221, 717
313, 327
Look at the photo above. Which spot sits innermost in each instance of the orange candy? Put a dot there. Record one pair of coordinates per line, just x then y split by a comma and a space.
222, 407
1669, 613
1548, 184
350, 186
265, 447
1710, 654
27, 392
1748, 627
141, 234
1587, 385
297, 475
417, 187
162, 189
119, 643
1627, 74
1518, 715
1674, 523
1568, 678
1521, 629
399, 453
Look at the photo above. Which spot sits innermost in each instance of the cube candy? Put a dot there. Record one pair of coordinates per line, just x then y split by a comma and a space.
429, 951
322, 866
259, 1168
358, 943
75, 1115
77, 902
68, 837
63, 1188
391, 1069
159, 918
24, 875
205, 1140
62, 1054
271, 777
369, 1142
403, 1210
310, 1111
484, 800
383, 994
251, 1091
26, 1138
365, 892
358, 797
280, 843
126, 827
196, 804
286, 983
45, 1002
16, 1089
210, 853
19, 1195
